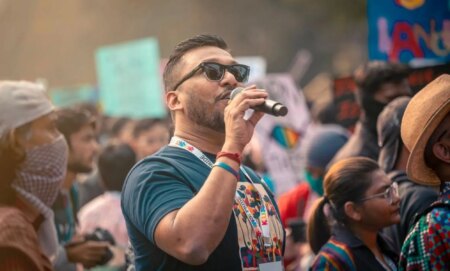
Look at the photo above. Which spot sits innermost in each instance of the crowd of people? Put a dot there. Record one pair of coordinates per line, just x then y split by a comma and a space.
82, 191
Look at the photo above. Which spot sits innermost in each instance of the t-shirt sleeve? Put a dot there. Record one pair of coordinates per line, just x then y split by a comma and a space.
153, 190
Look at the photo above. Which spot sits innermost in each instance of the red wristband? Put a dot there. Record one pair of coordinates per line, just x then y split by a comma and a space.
232, 155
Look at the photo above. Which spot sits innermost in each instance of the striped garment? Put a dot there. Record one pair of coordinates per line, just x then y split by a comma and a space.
427, 246
334, 255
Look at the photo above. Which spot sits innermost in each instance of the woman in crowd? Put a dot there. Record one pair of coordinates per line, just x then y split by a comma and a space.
359, 201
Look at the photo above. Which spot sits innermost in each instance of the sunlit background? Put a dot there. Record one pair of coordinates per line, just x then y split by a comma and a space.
56, 40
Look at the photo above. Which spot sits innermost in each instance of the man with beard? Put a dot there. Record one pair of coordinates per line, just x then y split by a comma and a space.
192, 205
378, 83
78, 127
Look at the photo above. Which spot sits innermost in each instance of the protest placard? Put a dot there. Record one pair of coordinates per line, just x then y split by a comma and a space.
129, 79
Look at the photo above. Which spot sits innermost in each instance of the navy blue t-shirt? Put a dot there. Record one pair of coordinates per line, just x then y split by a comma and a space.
167, 180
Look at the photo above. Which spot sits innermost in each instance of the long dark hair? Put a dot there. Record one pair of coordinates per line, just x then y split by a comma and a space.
347, 180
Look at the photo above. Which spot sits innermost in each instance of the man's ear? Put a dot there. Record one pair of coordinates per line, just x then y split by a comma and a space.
442, 151
173, 100
353, 211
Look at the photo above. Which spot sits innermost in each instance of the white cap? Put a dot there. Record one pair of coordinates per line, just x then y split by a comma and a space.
21, 102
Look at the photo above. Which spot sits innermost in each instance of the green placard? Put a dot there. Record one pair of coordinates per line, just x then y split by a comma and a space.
130, 80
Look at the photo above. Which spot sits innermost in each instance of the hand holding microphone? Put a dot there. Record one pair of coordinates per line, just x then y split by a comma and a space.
269, 106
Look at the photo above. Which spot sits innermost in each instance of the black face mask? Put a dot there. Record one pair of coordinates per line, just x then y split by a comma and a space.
372, 108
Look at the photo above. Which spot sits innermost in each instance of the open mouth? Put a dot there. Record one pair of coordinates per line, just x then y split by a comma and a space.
224, 96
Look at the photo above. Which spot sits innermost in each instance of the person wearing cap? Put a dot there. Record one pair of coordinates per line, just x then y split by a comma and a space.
33, 157
378, 83
425, 131
393, 157
78, 128
319, 147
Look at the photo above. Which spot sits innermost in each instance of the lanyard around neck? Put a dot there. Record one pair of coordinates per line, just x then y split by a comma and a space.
264, 230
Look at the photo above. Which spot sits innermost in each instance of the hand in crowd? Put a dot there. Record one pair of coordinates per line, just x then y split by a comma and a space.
89, 253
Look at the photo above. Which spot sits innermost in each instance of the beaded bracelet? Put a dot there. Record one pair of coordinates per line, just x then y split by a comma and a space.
233, 156
227, 168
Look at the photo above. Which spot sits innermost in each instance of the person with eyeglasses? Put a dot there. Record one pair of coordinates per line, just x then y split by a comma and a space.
344, 228
193, 205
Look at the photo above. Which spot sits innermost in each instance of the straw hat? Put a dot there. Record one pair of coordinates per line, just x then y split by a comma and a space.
424, 113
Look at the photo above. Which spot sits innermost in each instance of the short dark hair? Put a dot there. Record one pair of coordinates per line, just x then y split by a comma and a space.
370, 76
118, 125
71, 120
146, 124
114, 163
347, 180
182, 48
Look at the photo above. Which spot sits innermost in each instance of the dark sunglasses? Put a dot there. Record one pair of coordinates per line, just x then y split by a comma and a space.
215, 72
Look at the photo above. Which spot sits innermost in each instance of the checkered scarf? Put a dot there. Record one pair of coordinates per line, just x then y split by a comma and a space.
42, 173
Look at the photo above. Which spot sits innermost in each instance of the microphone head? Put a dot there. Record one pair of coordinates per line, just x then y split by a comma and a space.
280, 110
235, 92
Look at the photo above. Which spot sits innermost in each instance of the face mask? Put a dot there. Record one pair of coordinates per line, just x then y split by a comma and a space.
43, 170
315, 183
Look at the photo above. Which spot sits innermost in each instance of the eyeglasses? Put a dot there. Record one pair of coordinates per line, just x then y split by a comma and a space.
389, 194
215, 72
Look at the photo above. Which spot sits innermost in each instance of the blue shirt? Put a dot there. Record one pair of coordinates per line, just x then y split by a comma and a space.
167, 180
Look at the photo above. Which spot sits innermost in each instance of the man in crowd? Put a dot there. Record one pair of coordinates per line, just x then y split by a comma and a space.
78, 127
114, 163
192, 206
149, 135
425, 131
393, 158
33, 158
378, 83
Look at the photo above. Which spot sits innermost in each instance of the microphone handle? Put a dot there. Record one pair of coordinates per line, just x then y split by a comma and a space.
272, 107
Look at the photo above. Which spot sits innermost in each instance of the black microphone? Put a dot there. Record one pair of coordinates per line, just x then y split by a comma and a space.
269, 107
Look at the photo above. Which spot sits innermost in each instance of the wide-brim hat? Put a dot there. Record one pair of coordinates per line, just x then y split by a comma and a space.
424, 113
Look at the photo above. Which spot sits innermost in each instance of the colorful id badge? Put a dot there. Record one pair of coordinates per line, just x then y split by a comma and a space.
265, 265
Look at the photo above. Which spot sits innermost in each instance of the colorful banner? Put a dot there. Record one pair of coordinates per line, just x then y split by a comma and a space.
68, 96
130, 80
409, 31
280, 137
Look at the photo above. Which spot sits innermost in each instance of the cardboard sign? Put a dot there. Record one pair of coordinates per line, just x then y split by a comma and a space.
281, 136
258, 66
344, 92
348, 110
